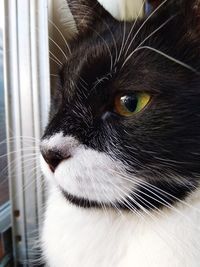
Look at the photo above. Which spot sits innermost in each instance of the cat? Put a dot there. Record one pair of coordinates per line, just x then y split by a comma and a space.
121, 151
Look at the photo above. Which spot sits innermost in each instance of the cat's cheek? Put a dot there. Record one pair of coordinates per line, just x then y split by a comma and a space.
93, 176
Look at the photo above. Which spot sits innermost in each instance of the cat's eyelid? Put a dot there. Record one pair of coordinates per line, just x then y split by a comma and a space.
134, 91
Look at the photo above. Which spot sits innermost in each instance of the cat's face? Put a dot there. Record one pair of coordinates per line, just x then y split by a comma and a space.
125, 130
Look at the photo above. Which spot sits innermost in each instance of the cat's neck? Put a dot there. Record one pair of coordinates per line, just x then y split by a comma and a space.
105, 238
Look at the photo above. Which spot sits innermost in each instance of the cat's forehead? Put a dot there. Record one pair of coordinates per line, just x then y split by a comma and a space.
114, 47
104, 52
96, 76
146, 54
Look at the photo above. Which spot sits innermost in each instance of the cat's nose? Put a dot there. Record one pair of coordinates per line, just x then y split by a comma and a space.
54, 157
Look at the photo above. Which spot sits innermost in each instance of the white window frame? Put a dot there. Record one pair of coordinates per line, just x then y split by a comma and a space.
27, 98
5, 218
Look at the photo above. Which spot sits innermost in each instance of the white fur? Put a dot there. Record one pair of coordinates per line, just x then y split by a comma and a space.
74, 237
123, 9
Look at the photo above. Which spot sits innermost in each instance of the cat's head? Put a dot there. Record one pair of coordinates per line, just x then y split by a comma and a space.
125, 129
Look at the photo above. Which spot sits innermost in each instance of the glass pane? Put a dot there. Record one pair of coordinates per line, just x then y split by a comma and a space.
3, 150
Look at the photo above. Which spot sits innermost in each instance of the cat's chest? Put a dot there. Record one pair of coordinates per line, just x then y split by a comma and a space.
74, 237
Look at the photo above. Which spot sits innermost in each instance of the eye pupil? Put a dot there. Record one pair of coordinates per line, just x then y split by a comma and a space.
130, 102
128, 105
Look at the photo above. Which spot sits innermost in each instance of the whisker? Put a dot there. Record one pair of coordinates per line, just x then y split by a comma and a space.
155, 31
123, 41
133, 26
26, 186
55, 59
14, 138
162, 54
61, 50
95, 190
170, 58
146, 20
16, 161
52, 23
122, 197
109, 51
163, 202
164, 193
150, 214
20, 150
167, 195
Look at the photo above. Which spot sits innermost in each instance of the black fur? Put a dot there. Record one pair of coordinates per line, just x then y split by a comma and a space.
161, 144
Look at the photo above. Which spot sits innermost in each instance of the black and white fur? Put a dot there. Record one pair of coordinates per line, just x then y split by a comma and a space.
124, 192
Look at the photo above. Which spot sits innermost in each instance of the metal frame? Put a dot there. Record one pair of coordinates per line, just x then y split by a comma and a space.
5, 213
27, 94
5, 221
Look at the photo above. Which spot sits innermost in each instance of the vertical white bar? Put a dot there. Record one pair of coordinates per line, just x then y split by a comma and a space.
27, 103
13, 122
43, 61
26, 58
44, 86
40, 81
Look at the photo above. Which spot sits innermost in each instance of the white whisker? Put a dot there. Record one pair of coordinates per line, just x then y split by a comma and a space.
61, 50
155, 31
133, 26
55, 59
164, 55
146, 20
107, 46
52, 23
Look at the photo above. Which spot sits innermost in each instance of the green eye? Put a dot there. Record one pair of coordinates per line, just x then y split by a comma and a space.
128, 105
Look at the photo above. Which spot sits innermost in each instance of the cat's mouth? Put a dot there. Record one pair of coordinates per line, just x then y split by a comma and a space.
88, 204
83, 202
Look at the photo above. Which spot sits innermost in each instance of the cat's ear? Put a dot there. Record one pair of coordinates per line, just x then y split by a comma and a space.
192, 17
87, 14
189, 11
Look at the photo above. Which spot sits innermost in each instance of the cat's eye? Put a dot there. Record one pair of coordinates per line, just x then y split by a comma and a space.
130, 104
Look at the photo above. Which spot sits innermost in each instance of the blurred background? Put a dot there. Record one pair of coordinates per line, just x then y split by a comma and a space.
3, 162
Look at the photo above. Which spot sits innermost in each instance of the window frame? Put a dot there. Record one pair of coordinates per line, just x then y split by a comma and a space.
5, 220
5, 212
27, 100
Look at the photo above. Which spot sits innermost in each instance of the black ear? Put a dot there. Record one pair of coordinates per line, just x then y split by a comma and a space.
189, 11
192, 16
87, 14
